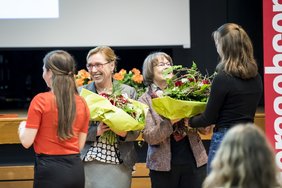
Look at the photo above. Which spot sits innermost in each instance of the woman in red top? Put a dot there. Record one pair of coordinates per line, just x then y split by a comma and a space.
57, 125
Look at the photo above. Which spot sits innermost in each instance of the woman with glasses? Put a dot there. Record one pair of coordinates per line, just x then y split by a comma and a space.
107, 164
175, 160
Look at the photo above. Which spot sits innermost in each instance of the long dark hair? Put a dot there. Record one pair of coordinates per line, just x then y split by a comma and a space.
62, 66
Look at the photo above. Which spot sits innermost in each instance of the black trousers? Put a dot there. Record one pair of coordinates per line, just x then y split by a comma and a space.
59, 171
180, 176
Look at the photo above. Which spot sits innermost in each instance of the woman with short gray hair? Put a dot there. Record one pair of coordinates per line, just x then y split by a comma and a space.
175, 160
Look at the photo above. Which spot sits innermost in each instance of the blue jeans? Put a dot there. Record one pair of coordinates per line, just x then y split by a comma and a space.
214, 145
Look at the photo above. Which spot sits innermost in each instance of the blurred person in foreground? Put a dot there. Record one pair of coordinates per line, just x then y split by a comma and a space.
107, 165
244, 159
236, 89
175, 159
57, 125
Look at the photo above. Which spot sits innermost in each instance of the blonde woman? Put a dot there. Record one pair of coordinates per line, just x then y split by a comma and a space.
107, 164
244, 160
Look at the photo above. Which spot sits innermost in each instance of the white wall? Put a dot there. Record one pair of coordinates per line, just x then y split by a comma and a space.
84, 23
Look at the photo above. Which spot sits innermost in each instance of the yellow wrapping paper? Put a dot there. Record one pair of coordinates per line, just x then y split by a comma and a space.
118, 120
177, 109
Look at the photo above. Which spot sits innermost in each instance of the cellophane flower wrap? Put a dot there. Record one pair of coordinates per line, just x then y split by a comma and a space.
132, 78
116, 110
186, 94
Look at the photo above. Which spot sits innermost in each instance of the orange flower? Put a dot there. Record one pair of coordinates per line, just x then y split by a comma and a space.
82, 77
133, 78
138, 78
84, 74
79, 82
122, 72
118, 76
135, 71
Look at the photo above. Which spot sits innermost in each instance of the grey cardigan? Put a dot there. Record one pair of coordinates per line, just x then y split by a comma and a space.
125, 145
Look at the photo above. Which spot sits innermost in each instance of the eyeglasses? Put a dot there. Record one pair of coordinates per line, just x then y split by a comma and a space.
162, 64
97, 65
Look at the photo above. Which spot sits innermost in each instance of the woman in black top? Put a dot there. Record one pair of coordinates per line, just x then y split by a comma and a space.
236, 89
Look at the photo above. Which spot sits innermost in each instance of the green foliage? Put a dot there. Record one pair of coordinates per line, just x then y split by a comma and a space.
132, 78
187, 83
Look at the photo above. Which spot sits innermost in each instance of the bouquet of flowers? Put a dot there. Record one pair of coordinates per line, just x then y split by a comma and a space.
82, 78
133, 78
186, 94
116, 110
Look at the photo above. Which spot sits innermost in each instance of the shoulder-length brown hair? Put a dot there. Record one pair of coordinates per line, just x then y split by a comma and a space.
236, 51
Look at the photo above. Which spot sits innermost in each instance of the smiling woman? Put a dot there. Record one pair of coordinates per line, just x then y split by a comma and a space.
109, 160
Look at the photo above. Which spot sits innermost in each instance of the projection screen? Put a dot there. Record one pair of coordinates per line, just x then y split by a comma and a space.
83, 23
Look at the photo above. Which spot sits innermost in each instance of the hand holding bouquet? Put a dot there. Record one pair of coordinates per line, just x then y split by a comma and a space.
186, 94
116, 110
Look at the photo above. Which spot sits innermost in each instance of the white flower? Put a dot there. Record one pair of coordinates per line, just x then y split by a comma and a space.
200, 84
159, 93
184, 80
125, 95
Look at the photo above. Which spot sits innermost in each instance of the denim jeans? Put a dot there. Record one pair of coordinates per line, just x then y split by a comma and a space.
214, 145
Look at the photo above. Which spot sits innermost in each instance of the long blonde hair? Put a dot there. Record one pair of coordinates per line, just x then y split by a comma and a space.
236, 51
244, 159
62, 66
